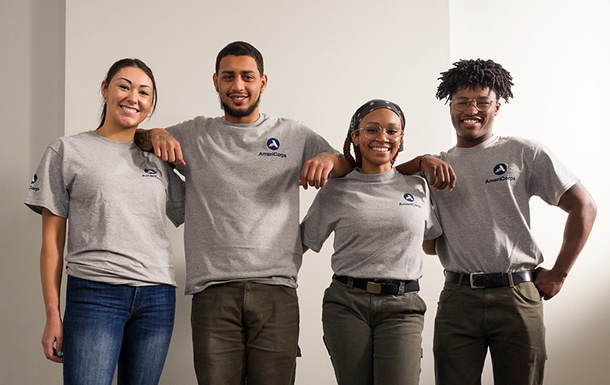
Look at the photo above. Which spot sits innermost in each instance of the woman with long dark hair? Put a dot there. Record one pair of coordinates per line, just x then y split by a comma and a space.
120, 296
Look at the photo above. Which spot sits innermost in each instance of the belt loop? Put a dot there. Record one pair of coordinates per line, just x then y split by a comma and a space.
401, 288
510, 279
350, 282
461, 281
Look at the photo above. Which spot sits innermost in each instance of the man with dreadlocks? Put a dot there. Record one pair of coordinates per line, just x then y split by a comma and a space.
493, 285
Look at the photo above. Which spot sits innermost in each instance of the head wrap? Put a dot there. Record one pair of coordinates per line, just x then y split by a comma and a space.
370, 106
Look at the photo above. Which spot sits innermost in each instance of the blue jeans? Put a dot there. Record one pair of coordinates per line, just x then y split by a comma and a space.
106, 325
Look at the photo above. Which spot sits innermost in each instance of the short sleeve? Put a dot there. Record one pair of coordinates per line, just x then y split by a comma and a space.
317, 224
175, 197
550, 178
48, 188
316, 144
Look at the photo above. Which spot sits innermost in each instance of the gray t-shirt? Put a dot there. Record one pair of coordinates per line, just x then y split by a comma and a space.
115, 198
486, 218
242, 199
380, 222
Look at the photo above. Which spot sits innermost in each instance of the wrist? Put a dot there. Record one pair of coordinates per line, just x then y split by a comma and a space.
52, 311
421, 159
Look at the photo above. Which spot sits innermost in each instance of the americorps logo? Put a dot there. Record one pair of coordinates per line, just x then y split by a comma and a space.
34, 179
410, 199
150, 173
500, 169
273, 144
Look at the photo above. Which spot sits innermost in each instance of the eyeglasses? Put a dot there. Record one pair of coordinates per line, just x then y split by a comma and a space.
481, 104
373, 131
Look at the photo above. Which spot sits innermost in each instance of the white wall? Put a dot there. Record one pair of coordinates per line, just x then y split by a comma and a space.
558, 54
323, 58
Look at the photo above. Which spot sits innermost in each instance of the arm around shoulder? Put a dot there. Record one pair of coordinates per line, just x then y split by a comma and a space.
315, 171
441, 173
165, 146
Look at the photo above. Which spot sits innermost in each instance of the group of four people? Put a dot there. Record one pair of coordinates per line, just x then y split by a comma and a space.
244, 244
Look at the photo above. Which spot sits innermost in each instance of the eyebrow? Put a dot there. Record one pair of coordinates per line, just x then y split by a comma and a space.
379, 124
130, 82
241, 72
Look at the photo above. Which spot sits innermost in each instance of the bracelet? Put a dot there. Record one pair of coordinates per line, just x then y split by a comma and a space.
421, 159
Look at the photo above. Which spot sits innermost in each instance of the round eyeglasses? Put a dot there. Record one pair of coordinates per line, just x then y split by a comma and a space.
481, 104
373, 131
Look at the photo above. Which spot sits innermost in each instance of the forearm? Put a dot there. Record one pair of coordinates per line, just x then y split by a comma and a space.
50, 274
411, 167
143, 140
51, 261
429, 246
579, 223
341, 167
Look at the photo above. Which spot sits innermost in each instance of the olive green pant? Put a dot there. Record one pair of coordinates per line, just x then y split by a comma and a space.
245, 332
506, 320
373, 338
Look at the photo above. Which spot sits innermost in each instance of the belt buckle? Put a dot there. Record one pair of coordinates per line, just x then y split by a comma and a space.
373, 287
472, 277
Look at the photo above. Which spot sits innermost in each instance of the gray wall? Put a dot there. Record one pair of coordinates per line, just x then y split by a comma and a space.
31, 115
323, 58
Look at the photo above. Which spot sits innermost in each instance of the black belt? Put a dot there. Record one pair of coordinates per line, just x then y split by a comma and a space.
380, 287
482, 280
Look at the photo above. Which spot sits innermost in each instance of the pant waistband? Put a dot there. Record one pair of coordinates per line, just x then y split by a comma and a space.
482, 280
375, 286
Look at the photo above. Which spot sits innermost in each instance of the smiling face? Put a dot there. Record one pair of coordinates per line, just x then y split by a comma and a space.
239, 85
129, 99
377, 154
472, 126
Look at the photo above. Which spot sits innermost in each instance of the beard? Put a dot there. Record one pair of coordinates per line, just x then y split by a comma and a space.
239, 112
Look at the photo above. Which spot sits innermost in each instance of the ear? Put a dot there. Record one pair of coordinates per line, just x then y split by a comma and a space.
498, 104
104, 89
354, 136
263, 83
215, 81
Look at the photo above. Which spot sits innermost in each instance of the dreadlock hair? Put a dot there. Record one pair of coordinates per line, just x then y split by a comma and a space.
472, 73
346, 152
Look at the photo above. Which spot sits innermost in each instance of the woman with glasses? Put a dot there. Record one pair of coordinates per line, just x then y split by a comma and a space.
120, 294
372, 314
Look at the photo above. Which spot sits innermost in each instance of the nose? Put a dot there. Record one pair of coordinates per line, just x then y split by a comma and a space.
472, 108
238, 84
132, 96
383, 136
